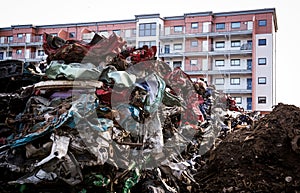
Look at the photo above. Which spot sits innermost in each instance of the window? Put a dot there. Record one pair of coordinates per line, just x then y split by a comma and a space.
234, 81
118, 32
262, 80
262, 42
219, 81
193, 62
18, 52
262, 22
177, 64
177, 28
167, 49
219, 63
262, 61
177, 46
147, 29
236, 43
220, 44
194, 43
235, 25
41, 53
194, 25
147, 43
53, 34
220, 26
262, 100
20, 36
9, 54
235, 62
238, 100
72, 35
10, 39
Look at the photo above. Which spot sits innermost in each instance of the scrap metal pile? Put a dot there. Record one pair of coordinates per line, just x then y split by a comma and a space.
104, 117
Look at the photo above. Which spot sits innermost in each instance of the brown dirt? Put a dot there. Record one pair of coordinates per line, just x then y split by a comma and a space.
261, 159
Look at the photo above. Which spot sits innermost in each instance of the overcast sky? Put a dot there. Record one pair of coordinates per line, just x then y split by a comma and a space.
37, 12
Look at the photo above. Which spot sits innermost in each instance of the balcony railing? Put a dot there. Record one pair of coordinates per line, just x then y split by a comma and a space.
21, 41
33, 56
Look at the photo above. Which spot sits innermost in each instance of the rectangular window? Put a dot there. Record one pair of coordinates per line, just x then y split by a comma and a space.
10, 39
235, 62
177, 46
235, 81
117, 31
178, 28
20, 36
147, 29
238, 100
220, 44
177, 64
9, 54
262, 100
262, 22
53, 34
41, 53
220, 26
262, 61
236, 43
72, 35
235, 25
262, 80
147, 43
194, 43
262, 42
193, 62
194, 25
219, 81
219, 63
18, 51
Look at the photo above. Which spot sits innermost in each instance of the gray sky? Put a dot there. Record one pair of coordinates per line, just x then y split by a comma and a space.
38, 12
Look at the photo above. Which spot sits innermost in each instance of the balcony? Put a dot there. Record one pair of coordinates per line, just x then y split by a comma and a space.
31, 57
21, 42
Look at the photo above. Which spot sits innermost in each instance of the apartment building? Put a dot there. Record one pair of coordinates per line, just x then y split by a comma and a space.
234, 51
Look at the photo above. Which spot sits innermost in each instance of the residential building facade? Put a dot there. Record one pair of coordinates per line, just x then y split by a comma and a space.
234, 51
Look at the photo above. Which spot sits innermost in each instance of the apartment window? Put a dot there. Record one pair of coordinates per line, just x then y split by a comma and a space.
194, 43
220, 26
220, 44
53, 34
262, 61
177, 46
72, 35
219, 63
118, 32
194, 25
219, 81
262, 80
147, 43
10, 39
9, 54
238, 100
41, 53
262, 22
193, 62
235, 62
262, 100
134, 31
236, 43
147, 29
235, 81
18, 51
262, 42
177, 64
178, 28
20, 36
235, 25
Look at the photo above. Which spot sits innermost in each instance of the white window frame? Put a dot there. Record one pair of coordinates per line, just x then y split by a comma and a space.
235, 81
219, 63
219, 81
220, 44
235, 62
262, 80
194, 62
177, 46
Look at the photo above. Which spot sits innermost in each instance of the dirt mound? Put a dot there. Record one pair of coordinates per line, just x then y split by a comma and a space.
262, 159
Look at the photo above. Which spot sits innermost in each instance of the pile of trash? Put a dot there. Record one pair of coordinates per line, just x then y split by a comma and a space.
104, 117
